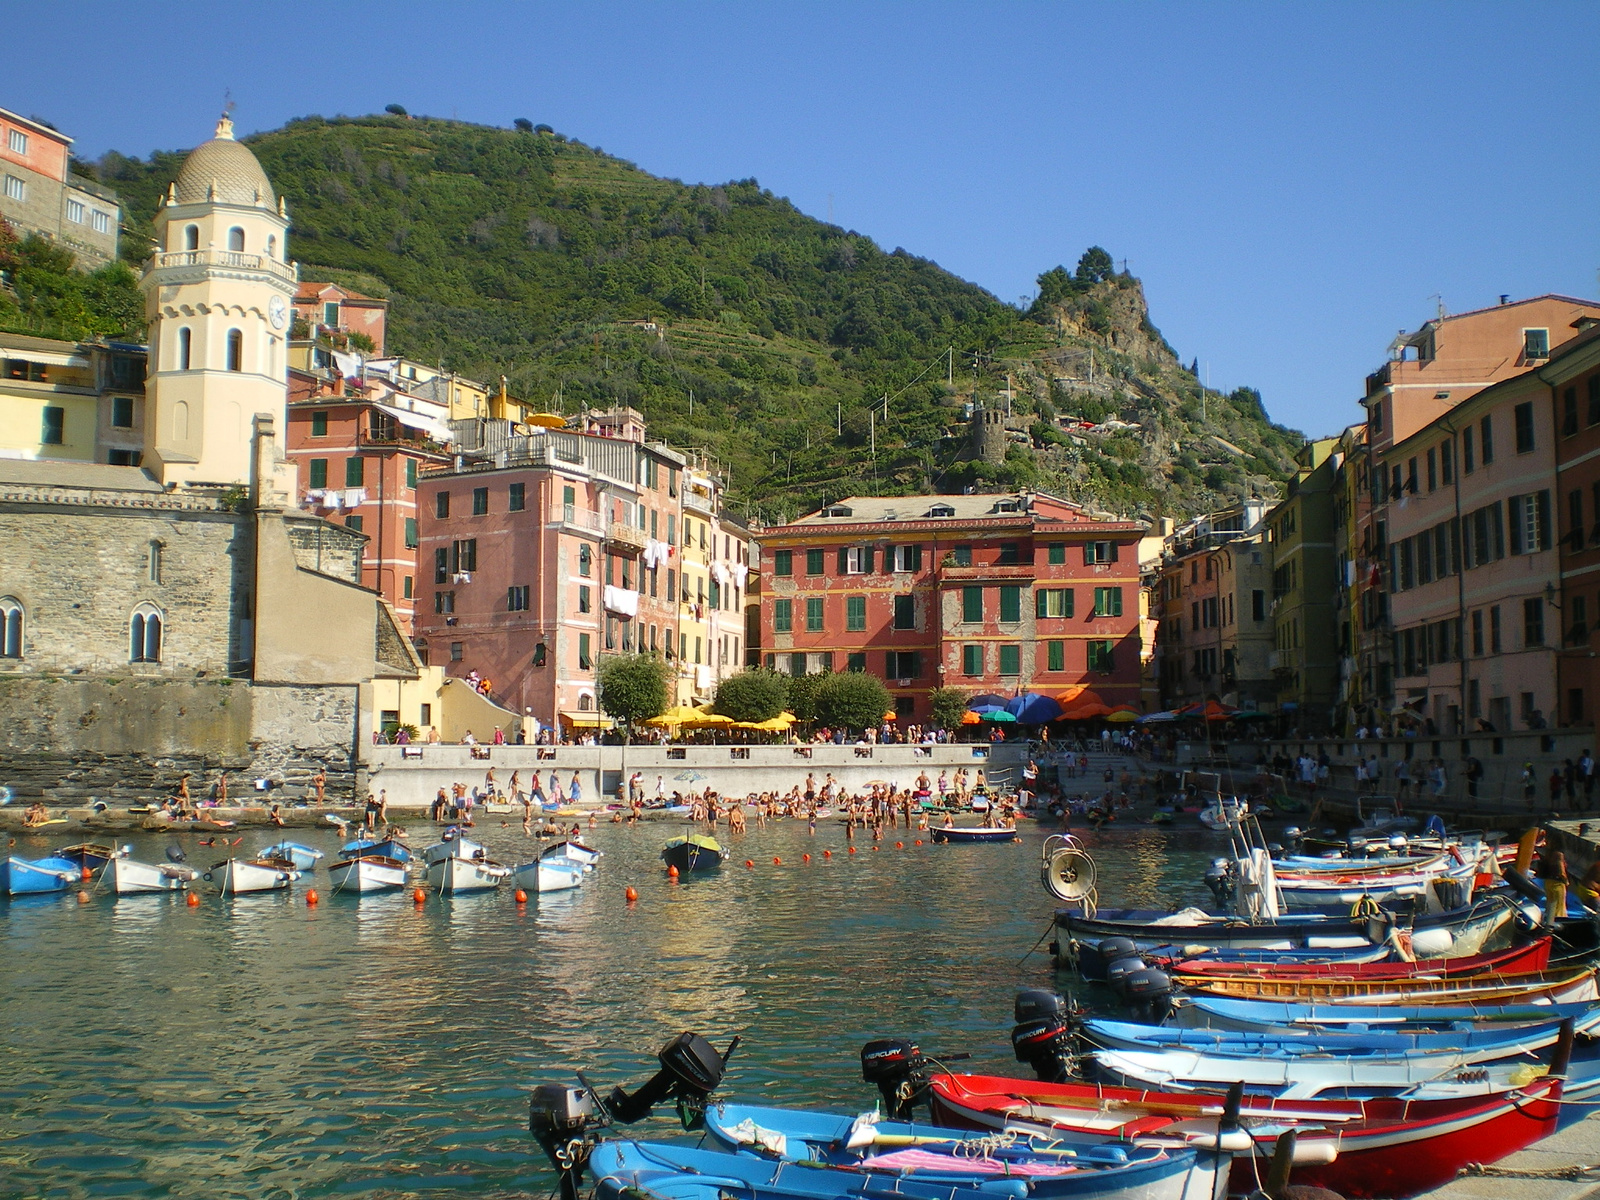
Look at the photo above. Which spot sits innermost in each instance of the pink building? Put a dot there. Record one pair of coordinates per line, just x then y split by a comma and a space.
541, 550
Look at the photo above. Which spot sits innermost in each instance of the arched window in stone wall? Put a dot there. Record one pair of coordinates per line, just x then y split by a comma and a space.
235, 350
10, 627
144, 634
236, 239
272, 245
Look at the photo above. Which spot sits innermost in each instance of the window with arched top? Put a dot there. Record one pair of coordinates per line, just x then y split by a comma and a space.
144, 634
235, 238
272, 245
586, 702
191, 237
185, 344
235, 350
10, 627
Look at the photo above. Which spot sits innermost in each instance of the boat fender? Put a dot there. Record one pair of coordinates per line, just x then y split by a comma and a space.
1522, 885
1436, 942
1003, 1187
1234, 1141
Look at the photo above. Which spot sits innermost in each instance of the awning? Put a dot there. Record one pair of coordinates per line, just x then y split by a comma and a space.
582, 719
433, 427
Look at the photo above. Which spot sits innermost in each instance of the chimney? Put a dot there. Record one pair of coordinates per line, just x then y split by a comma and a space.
1505, 297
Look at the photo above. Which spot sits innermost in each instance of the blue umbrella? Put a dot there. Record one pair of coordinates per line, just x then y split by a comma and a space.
1031, 708
983, 710
987, 699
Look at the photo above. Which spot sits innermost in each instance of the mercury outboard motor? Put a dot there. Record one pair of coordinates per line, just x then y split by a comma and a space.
1042, 1036
1149, 994
896, 1067
560, 1117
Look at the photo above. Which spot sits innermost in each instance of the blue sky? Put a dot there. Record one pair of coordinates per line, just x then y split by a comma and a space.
1293, 182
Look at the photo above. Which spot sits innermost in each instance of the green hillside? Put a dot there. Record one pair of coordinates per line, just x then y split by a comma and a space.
810, 361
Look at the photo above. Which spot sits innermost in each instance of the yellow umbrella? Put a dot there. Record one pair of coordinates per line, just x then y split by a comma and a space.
773, 725
675, 716
709, 719
786, 716
547, 420
1121, 715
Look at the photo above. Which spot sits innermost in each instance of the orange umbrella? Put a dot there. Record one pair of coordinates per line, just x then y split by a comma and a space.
1085, 712
889, 716
971, 718
1077, 695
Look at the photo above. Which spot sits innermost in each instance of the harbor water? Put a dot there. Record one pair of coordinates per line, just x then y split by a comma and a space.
367, 1047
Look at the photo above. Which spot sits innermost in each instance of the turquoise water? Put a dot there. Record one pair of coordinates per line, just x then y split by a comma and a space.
256, 1047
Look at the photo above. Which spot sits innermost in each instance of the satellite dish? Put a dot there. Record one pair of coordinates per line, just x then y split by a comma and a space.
1069, 875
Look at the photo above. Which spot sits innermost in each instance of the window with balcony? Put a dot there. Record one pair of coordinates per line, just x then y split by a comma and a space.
191, 237
1009, 555
962, 555
972, 660
236, 240
1010, 659
1053, 602
905, 612
972, 603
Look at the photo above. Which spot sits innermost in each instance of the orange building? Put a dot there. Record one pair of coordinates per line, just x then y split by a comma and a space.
1573, 375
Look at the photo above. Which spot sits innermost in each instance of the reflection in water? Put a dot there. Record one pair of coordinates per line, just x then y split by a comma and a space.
256, 1046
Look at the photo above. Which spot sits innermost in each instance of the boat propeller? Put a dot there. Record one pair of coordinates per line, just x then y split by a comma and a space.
561, 1117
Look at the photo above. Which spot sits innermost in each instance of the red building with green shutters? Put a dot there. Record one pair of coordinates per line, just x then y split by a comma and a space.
993, 593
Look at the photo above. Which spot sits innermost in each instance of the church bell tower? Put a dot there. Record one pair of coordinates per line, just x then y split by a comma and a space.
218, 294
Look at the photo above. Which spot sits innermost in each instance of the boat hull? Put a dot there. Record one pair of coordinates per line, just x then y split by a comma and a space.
129, 877
369, 873
460, 876
957, 835
689, 854
238, 877
32, 877
548, 875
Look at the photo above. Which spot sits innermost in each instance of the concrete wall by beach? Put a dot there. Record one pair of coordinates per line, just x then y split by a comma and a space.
411, 775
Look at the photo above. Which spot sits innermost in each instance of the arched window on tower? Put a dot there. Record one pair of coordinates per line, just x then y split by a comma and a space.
235, 350
144, 634
236, 239
272, 245
185, 343
191, 237
10, 627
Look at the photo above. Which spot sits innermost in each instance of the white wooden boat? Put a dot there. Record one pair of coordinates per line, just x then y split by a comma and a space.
129, 877
367, 873
453, 876
237, 876
573, 851
454, 845
548, 875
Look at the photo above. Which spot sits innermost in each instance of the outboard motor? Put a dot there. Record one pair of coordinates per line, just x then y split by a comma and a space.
896, 1067
1111, 949
1117, 973
560, 1118
1149, 994
1219, 878
1042, 1036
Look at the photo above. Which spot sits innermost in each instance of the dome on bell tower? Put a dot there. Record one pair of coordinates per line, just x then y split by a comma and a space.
224, 171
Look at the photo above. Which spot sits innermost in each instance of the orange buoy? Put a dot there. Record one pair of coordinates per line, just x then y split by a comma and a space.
827, 854
875, 847
852, 849
776, 861
311, 897
672, 872
919, 841
899, 845
193, 901
83, 897
522, 896
631, 896
419, 895
87, 874
749, 865
805, 858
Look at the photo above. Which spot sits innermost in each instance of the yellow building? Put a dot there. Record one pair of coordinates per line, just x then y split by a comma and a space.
49, 405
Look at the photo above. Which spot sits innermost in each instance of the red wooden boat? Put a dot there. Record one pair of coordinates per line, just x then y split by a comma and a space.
1361, 1149
1535, 956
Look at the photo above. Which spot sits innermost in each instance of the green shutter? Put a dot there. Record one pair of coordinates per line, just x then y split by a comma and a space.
782, 616
411, 472
972, 660
411, 532
1010, 660
782, 561
319, 473
814, 614
1058, 554
1068, 593
855, 608
916, 557
1010, 602
844, 559
972, 603
869, 557
353, 471
1058, 656
1039, 602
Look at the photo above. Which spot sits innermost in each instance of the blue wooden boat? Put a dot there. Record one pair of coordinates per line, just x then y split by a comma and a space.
24, 877
970, 833
1219, 1012
303, 857
628, 1170
388, 848
697, 852
1459, 1045
90, 856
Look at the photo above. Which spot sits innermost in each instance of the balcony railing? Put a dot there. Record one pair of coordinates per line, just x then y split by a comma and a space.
224, 258
626, 536
582, 520
1023, 572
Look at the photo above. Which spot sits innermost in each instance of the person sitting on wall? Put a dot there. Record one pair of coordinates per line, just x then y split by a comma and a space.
36, 815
